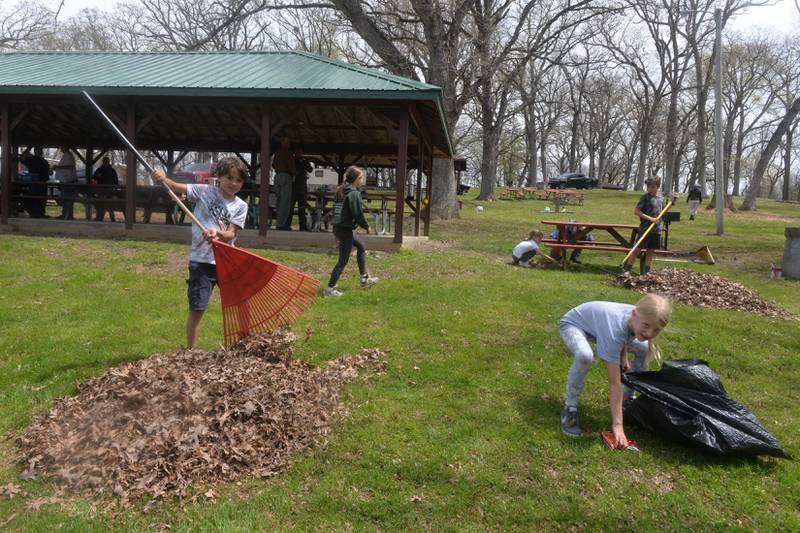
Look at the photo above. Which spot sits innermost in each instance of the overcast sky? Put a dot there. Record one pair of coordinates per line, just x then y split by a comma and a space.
779, 18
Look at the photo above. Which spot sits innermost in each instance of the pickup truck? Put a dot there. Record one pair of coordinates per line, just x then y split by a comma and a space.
573, 180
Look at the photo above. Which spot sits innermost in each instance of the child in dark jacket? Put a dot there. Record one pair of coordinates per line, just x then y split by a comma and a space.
347, 215
648, 209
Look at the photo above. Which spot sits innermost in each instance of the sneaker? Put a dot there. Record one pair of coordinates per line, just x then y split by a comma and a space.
368, 280
575, 260
626, 271
570, 423
331, 291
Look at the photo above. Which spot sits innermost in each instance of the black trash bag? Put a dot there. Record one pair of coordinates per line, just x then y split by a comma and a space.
686, 402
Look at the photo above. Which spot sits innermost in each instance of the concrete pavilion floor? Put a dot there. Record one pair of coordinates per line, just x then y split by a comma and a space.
248, 238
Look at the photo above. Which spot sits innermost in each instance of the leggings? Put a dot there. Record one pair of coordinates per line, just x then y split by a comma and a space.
577, 343
347, 239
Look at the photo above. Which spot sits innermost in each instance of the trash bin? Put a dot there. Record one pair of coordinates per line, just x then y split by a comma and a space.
791, 254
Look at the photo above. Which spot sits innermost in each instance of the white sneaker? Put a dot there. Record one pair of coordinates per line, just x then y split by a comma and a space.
368, 280
331, 291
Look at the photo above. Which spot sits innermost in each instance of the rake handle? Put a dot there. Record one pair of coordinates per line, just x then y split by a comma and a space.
144, 162
648, 230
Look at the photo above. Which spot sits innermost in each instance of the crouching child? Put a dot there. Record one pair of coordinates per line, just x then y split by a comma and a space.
617, 329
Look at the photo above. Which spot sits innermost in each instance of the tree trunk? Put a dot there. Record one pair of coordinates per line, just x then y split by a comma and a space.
443, 190
629, 163
531, 145
701, 133
491, 147
737, 163
727, 145
573, 144
754, 190
543, 157
787, 164
670, 142
644, 148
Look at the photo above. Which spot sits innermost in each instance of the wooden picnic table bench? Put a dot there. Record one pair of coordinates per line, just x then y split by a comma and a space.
152, 199
578, 241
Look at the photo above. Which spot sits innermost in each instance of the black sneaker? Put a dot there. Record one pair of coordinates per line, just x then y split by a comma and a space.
575, 260
570, 422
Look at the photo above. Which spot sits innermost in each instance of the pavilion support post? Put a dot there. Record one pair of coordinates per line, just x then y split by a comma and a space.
400, 175
340, 169
88, 166
14, 162
264, 157
130, 168
429, 187
5, 163
252, 166
170, 162
420, 155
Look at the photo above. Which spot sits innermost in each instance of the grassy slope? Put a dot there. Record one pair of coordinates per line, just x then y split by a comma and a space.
461, 433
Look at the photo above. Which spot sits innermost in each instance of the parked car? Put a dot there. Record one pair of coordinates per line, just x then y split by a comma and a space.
574, 180
200, 173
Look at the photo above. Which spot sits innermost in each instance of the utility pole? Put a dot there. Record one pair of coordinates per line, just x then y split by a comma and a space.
718, 179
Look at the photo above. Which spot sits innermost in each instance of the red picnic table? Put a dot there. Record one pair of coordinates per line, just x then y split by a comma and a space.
579, 242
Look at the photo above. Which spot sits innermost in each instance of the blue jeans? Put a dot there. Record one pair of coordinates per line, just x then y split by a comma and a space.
577, 342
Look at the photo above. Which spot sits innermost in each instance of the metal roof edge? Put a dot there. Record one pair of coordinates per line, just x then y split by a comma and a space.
299, 94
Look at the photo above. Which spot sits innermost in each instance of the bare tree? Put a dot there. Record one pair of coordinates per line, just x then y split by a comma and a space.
754, 190
647, 85
24, 22
748, 65
90, 29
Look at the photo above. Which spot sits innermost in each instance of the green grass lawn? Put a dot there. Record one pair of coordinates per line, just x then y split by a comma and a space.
461, 432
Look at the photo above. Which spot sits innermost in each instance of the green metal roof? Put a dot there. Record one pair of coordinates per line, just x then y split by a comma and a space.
256, 74
248, 75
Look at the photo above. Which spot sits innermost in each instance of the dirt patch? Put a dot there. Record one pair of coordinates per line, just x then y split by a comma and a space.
177, 423
705, 290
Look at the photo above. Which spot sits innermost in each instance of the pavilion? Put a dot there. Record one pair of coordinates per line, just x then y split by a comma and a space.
241, 102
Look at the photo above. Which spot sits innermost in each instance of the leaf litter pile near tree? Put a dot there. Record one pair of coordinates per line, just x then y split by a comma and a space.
179, 422
706, 290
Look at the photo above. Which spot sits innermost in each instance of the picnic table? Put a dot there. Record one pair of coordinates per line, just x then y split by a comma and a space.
617, 243
150, 198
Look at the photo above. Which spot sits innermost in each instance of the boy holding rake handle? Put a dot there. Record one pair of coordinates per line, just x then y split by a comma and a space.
216, 207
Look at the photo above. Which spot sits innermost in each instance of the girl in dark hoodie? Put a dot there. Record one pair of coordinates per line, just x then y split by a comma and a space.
347, 215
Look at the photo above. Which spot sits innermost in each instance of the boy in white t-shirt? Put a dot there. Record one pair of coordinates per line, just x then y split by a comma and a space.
223, 214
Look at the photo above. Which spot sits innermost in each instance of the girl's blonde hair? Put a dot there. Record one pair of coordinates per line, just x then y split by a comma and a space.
659, 309
351, 175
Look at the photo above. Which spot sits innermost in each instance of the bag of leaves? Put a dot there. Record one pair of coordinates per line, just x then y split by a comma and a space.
686, 402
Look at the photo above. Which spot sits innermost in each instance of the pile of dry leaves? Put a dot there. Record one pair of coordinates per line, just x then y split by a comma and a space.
705, 290
189, 419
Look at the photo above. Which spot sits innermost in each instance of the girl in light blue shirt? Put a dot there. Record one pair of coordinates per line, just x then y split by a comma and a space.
616, 329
